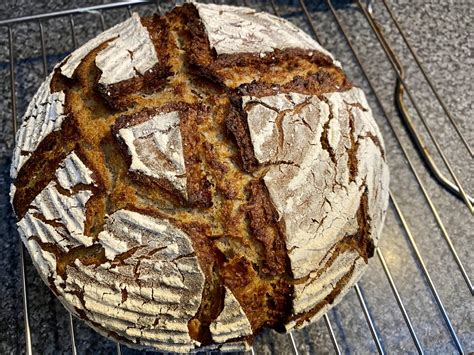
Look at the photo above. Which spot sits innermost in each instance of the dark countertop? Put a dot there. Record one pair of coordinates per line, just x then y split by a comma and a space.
442, 34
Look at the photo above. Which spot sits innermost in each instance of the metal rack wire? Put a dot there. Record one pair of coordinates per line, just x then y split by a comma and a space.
402, 88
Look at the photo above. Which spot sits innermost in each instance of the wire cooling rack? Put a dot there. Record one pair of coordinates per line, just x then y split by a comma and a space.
404, 309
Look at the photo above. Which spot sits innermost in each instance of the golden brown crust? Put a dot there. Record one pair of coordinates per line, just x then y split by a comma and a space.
52, 150
264, 226
284, 70
236, 125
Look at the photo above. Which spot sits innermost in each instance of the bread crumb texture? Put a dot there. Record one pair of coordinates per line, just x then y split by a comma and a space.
185, 181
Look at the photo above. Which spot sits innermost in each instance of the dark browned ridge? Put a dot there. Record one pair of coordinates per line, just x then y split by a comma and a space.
228, 215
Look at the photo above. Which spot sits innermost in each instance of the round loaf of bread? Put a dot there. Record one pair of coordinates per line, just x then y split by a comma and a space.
184, 181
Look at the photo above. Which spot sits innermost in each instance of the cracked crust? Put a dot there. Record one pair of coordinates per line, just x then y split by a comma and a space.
331, 193
217, 182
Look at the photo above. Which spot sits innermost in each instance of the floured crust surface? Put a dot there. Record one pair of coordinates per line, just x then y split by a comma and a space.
324, 158
235, 29
184, 181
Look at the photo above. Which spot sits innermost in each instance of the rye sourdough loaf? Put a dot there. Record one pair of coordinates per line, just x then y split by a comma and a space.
184, 181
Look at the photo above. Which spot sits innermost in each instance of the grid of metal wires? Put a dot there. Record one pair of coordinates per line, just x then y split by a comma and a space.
451, 184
